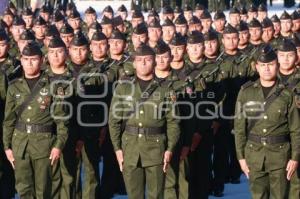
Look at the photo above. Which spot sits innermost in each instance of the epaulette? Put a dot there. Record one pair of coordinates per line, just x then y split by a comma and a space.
247, 84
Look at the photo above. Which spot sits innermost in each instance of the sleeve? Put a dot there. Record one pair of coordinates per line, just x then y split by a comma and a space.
115, 118
10, 118
240, 125
294, 127
173, 130
62, 123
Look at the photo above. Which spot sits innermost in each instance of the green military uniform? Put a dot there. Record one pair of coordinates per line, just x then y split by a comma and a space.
292, 82
267, 138
33, 132
144, 140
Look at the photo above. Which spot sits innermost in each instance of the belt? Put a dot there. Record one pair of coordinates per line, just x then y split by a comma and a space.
278, 139
33, 128
144, 130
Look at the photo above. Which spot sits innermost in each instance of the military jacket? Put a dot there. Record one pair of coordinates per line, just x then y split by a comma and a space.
281, 118
157, 111
11, 68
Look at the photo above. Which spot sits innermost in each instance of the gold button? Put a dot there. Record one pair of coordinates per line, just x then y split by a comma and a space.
140, 135
140, 124
29, 107
141, 112
28, 120
264, 130
264, 143
265, 117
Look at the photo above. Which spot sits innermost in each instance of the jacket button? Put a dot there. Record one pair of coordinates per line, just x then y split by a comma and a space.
140, 135
29, 108
264, 130
140, 124
141, 112
28, 120
265, 117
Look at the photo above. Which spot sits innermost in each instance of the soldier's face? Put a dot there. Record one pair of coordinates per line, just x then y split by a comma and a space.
198, 13
195, 51
195, 27
267, 34
262, 15
188, 15
3, 49
211, 47
39, 30
108, 15
182, 29
90, 18
170, 16
252, 15
286, 60
8, 19
57, 57
22, 44
78, 54
234, 19
136, 21
116, 46
168, 33
59, 24
255, 33
206, 24
244, 37
219, 24
99, 48
121, 28
107, 30
286, 25
244, 18
28, 20
277, 27
31, 64
74, 23
144, 65
138, 39
67, 38
154, 34
296, 25
267, 71
163, 61
16, 31
47, 41
230, 41
177, 52
91, 33
123, 15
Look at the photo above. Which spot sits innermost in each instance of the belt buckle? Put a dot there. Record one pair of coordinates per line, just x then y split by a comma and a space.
263, 140
28, 128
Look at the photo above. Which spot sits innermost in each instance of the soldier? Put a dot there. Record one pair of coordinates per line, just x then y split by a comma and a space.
211, 45
74, 21
289, 75
154, 32
139, 36
90, 17
39, 28
137, 18
177, 11
16, 30
268, 33
219, 21
199, 9
244, 36
206, 21
255, 30
122, 11
26, 37
8, 17
27, 16
286, 25
107, 26
296, 41
45, 12
141, 162
152, 14
267, 148
167, 12
262, 12
188, 12
252, 12
58, 19
31, 141
194, 24
296, 21
277, 27
168, 30
67, 34
94, 27
108, 12
7, 183
181, 25
244, 14
234, 17
50, 32
119, 24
